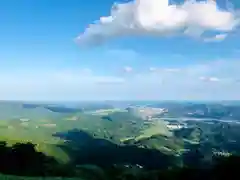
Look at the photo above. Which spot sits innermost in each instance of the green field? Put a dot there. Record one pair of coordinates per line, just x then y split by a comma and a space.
40, 131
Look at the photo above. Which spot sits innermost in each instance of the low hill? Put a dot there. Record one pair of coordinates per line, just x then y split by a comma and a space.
12, 110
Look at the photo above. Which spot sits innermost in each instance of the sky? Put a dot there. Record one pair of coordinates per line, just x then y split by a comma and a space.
58, 50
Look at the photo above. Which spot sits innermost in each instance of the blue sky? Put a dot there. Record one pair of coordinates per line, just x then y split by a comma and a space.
145, 50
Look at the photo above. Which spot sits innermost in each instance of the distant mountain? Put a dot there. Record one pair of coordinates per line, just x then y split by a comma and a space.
12, 110
201, 110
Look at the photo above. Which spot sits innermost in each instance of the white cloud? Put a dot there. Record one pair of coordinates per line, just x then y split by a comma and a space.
157, 17
209, 79
216, 38
170, 70
214, 79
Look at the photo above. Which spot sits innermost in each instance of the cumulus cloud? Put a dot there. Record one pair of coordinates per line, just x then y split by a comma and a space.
159, 17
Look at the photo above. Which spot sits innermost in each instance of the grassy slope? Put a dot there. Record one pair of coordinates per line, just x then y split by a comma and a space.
157, 136
41, 136
120, 127
13, 131
157, 128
